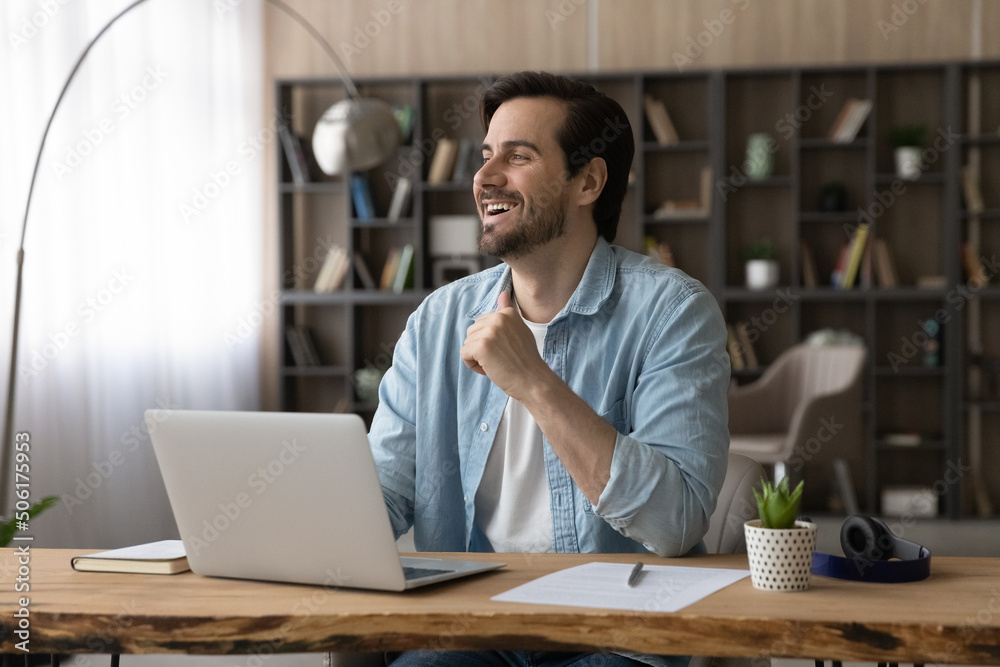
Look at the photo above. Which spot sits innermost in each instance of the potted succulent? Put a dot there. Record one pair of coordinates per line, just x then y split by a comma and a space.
761, 258
908, 141
780, 548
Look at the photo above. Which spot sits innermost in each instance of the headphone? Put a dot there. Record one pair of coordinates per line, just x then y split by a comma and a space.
868, 544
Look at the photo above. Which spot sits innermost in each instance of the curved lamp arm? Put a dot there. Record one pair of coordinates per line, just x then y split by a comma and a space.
8, 440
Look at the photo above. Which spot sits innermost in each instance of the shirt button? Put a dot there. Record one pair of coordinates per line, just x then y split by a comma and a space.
465, 498
483, 426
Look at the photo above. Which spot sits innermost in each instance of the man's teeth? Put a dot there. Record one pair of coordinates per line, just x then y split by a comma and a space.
497, 208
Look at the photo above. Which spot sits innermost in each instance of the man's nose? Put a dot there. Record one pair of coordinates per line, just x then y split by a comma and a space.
490, 175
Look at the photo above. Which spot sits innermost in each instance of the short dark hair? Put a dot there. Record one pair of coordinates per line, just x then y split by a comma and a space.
596, 126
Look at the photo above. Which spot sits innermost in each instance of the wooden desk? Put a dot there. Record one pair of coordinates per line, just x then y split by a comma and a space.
953, 617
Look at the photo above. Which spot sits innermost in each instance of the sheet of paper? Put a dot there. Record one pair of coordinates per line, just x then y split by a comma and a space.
660, 588
162, 550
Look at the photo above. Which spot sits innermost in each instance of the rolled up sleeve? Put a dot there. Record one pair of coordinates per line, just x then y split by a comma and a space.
666, 473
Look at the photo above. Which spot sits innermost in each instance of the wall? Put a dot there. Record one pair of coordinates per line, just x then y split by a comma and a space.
474, 36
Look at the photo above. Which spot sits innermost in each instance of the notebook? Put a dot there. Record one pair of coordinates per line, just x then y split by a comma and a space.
289, 497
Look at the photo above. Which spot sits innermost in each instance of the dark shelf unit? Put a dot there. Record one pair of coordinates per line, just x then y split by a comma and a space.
714, 113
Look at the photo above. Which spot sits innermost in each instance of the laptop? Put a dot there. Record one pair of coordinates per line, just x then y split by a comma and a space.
289, 497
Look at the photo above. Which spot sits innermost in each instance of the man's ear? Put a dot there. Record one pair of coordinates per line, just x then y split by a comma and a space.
594, 176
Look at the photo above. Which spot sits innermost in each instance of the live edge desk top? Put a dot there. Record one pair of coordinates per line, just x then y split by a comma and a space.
953, 617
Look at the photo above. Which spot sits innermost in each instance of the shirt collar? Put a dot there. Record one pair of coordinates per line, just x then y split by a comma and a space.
594, 287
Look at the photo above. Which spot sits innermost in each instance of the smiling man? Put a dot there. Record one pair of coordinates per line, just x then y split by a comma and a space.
571, 399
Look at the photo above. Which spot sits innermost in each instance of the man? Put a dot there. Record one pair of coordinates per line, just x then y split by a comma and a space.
571, 399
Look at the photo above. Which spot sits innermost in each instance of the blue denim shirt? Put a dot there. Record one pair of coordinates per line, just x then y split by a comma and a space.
641, 343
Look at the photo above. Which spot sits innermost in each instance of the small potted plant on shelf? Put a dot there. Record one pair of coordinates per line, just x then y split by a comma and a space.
761, 258
907, 142
780, 548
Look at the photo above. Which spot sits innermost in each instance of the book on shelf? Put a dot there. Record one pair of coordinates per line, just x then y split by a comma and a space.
866, 271
404, 116
163, 557
746, 346
389, 269
975, 271
404, 272
334, 268
853, 260
689, 208
902, 439
400, 199
294, 155
733, 348
443, 161
883, 264
361, 195
302, 346
849, 121
809, 275
465, 168
659, 120
364, 275
970, 189
838, 268
932, 281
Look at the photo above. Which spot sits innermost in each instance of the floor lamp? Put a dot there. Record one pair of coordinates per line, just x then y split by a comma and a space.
354, 134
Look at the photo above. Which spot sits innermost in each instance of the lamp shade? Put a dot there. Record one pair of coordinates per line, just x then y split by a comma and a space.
355, 134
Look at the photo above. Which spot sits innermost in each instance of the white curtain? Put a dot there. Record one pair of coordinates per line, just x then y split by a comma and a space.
142, 282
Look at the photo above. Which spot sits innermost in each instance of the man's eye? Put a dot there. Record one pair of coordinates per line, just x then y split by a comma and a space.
518, 156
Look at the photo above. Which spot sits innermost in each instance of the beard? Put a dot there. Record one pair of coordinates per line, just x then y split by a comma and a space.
535, 226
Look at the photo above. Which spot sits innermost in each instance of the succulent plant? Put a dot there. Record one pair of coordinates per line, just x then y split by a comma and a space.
777, 506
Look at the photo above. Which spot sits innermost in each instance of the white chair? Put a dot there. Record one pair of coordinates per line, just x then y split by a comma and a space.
735, 506
804, 412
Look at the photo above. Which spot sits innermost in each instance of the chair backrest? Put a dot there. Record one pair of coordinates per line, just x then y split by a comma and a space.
828, 369
805, 371
735, 506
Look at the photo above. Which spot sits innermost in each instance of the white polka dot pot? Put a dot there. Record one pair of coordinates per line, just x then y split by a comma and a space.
780, 560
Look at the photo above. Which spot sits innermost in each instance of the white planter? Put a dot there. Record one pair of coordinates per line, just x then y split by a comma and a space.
761, 274
780, 560
908, 164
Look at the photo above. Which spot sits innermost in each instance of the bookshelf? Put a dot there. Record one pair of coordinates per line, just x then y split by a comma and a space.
952, 403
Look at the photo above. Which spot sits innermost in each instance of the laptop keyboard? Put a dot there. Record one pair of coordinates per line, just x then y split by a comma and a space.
417, 572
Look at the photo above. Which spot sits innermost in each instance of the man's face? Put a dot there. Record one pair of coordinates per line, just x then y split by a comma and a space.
521, 189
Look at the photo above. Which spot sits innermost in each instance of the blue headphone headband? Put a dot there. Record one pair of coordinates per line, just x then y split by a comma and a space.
869, 543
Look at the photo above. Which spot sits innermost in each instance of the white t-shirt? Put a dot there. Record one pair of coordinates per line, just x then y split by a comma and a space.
512, 502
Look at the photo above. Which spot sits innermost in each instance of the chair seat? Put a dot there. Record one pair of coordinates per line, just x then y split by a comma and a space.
762, 447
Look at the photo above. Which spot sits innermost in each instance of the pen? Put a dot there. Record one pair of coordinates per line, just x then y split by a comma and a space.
634, 575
